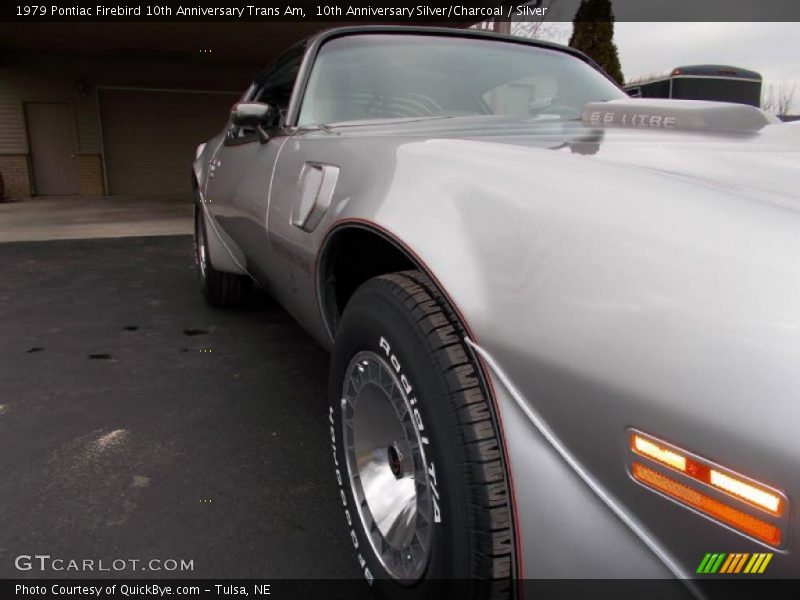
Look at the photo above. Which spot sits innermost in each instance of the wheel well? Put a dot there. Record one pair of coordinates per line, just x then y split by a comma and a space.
350, 257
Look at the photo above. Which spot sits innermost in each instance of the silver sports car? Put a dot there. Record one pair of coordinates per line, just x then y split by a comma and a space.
564, 324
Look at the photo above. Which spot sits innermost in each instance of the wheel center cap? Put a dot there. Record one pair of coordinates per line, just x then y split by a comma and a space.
386, 466
395, 461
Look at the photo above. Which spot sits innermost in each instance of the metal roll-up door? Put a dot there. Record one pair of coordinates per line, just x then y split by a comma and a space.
150, 136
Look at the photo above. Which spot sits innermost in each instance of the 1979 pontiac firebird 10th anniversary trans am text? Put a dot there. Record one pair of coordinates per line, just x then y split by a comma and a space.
562, 322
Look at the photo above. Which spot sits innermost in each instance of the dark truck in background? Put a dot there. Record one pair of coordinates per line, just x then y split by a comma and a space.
702, 82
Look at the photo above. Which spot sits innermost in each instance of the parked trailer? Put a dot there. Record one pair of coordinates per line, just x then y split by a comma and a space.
702, 82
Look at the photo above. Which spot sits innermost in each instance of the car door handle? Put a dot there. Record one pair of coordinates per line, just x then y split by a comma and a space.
314, 194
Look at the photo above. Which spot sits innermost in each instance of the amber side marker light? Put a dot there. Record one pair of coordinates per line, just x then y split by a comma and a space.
651, 449
748, 524
728, 482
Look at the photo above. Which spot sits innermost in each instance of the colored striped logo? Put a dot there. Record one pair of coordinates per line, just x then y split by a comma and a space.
734, 563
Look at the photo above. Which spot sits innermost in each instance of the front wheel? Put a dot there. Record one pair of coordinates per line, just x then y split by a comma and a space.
218, 288
417, 448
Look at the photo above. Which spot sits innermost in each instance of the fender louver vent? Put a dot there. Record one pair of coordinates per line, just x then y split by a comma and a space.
674, 114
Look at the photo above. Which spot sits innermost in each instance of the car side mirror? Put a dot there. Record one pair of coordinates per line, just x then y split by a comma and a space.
256, 115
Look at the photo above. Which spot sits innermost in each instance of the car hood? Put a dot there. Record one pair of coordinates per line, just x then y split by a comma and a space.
760, 163
763, 164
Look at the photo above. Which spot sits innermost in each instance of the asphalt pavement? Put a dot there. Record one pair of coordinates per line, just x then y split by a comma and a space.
137, 422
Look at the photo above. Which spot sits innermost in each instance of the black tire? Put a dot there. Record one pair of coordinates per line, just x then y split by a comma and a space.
218, 288
471, 551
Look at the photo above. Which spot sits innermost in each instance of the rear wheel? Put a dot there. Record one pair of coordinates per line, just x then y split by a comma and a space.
219, 288
417, 448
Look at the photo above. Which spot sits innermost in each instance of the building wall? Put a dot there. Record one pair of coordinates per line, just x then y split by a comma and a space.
90, 172
75, 80
16, 174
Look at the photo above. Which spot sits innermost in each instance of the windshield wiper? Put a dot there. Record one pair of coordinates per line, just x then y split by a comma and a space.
325, 128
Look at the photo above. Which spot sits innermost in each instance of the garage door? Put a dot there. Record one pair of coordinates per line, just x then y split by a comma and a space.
150, 137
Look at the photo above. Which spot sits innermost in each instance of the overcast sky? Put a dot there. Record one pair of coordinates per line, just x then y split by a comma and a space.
772, 49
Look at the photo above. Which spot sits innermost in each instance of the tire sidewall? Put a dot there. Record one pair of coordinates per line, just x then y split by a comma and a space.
377, 322
201, 227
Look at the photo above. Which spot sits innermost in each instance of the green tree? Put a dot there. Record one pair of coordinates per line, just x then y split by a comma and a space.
593, 34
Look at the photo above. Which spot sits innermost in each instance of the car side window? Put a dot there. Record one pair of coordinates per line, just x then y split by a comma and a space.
276, 83
248, 93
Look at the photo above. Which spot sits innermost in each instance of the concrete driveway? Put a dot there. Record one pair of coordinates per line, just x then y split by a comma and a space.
137, 422
77, 217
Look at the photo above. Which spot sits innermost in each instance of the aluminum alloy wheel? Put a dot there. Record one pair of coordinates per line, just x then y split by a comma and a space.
200, 244
386, 467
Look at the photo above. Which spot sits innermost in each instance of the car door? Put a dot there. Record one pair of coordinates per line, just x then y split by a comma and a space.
241, 170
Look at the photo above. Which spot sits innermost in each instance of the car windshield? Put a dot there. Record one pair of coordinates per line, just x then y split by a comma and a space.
401, 76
